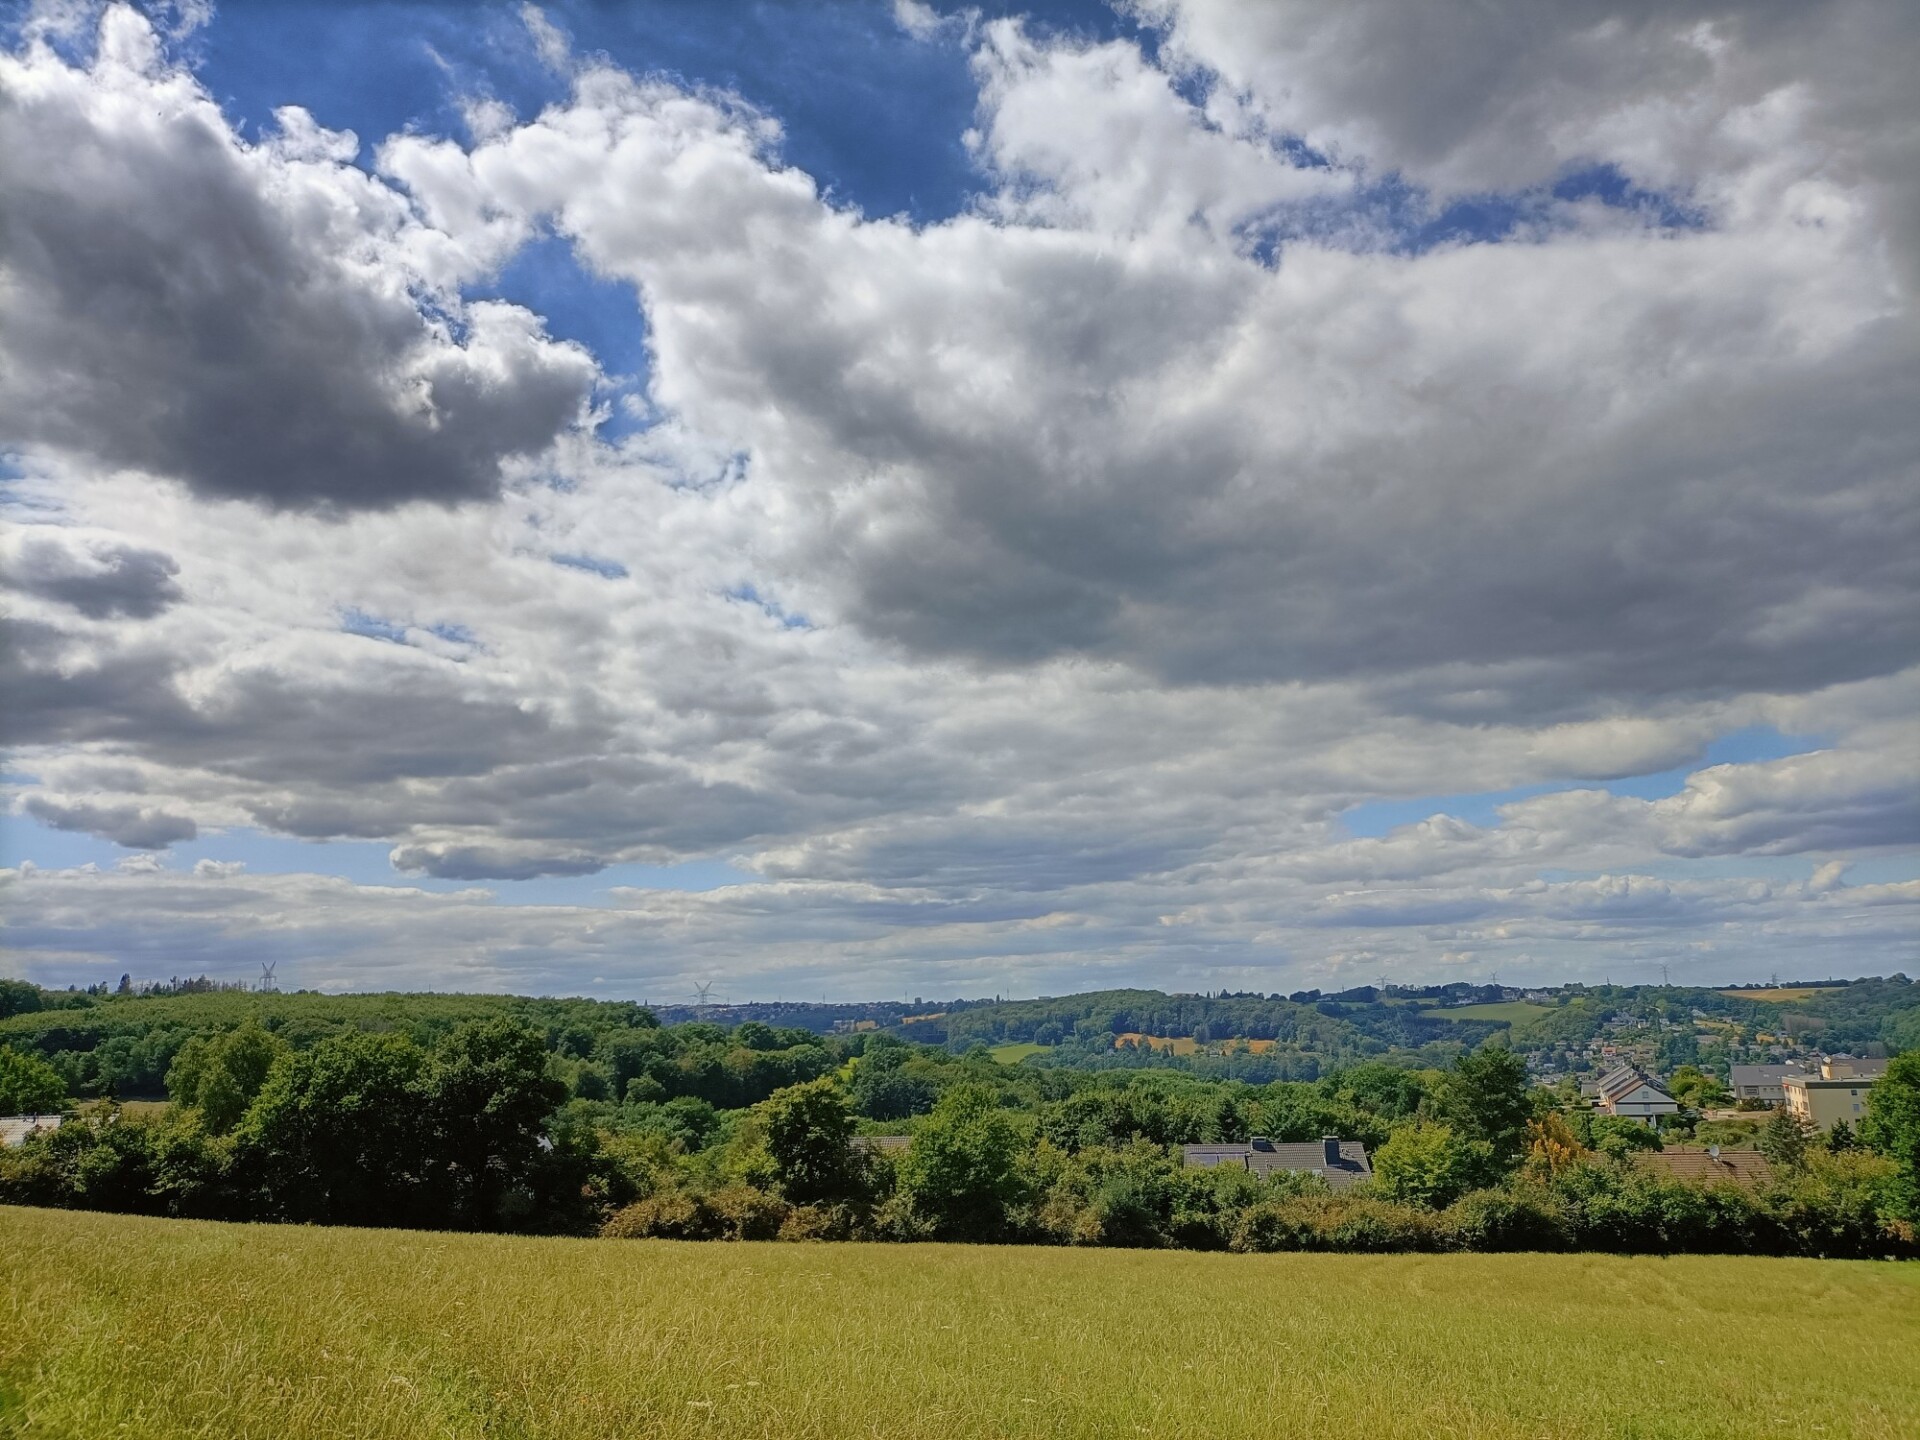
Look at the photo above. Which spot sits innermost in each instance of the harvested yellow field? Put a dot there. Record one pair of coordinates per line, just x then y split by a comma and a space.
1785, 994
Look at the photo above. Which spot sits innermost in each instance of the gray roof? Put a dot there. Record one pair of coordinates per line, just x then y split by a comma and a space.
1761, 1074
1268, 1157
885, 1144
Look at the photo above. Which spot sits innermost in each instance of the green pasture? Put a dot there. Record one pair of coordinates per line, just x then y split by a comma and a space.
1014, 1053
111, 1325
1510, 1012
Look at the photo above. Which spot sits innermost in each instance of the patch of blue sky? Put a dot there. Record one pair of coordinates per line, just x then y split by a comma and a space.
546, 277
1375, 818
606, 569
748, 595
373, 627
875, 115
1401, 217
363, 862
377, 627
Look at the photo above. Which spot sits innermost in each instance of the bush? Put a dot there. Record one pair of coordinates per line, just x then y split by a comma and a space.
733, 1212
1493, 1220
1360, 1224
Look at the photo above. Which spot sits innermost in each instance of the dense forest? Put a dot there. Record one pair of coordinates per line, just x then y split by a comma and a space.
580, 1116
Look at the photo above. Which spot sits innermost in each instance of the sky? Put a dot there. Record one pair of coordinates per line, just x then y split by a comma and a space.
879, 500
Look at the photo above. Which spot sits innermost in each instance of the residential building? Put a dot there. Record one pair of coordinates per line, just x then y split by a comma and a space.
1837, 1093
14, 1129
1635, 1095
1850, 1067
881, 1144
1339, 1162
1760, 1082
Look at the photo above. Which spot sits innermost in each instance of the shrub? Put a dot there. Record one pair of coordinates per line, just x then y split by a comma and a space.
733, 1212
1505, 1220
667, 1215
1350, 1223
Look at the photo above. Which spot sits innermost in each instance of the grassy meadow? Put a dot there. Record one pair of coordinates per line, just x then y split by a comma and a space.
1512, 1012
111, 1325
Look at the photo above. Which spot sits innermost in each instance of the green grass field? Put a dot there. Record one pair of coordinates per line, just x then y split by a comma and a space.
1014, 1053
118, 1326
1512, 1012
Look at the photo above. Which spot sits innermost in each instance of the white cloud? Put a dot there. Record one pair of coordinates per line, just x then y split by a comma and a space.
1143, 519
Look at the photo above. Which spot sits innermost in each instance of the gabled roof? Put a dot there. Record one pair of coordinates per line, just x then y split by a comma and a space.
1621, 1083
1737, 1167
1761, 1074
1268, 1157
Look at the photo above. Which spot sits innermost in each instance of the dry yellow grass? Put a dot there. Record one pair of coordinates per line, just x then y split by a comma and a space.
1784, 993
112, 1326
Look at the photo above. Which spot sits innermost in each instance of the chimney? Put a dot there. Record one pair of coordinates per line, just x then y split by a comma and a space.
1332, 1146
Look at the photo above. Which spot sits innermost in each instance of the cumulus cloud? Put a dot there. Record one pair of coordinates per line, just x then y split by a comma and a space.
1611, 464
246, 319
137, 827
100, 581
1023, 596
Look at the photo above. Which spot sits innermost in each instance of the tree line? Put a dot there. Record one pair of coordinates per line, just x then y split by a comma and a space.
574, 1117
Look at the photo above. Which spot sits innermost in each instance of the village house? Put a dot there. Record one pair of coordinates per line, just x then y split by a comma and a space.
1339, 1162
1760, 1082
1635, 1095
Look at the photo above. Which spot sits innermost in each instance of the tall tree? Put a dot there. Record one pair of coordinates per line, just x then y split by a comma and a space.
339, 1133
808, 1130
1484, 1098
960, 1173
219, 1075
1892, 1126
488, 1098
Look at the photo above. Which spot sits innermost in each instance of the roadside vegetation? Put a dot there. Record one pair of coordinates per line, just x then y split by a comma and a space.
116, 1325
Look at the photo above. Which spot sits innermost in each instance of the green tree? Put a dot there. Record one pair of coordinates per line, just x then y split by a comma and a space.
1783, 1140
488, 1098
1484, 1098
1618, 1136
19, 997
1892, 1126
28, 1085
808, 1130
1425, 1163
339, 1134
1692, 1086
219, 1075
961, 1175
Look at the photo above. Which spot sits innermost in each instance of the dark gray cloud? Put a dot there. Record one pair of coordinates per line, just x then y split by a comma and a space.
137, 827
176, 302
101, 582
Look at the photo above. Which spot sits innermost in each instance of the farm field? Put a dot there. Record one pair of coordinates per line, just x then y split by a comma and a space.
1782, 995
1015, 1052
1511, 1012
118, 1325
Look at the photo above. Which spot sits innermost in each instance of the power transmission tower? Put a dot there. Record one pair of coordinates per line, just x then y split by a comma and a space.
266, 977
